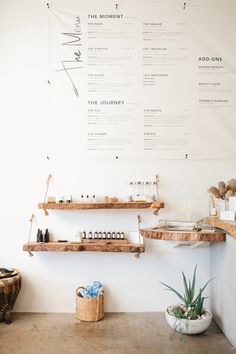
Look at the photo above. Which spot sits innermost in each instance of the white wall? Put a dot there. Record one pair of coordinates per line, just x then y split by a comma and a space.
223, 292
50, 279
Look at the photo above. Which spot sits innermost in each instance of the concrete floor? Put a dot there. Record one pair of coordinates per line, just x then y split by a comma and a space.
126, 333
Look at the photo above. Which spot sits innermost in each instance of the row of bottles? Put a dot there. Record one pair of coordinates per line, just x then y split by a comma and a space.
146, 191
42, 237
84, 198
103, 235
137, 191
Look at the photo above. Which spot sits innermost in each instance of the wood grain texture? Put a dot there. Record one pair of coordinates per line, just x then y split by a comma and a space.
80, 247
227, 226
87, 206
163, 234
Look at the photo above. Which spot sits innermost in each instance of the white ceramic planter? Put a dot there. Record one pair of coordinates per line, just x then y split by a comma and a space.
189, 326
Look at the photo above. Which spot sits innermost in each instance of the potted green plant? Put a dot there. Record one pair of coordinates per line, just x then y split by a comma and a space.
189, 316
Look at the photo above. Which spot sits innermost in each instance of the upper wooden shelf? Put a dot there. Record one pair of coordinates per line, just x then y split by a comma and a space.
101, 246
227, 226
164, 234
86, 206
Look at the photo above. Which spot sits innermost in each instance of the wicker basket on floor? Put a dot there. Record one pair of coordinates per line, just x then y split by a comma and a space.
89, 309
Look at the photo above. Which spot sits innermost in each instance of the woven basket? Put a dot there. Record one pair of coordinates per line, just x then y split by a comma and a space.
89, 309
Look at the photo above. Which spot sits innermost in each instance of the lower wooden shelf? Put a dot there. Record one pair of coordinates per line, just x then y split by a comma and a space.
164, 234
102, 205
227, 226
101, 246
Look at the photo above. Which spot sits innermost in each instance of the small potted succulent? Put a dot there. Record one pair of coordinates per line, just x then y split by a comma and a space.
189, 316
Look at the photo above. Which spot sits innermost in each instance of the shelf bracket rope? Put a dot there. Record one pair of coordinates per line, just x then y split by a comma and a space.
156, 212
46, 193
137, 255
157, 186
30, 231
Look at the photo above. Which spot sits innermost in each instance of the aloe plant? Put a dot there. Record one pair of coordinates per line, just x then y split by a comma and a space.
192, 305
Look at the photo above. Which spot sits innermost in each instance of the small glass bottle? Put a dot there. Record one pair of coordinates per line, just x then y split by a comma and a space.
113, 235
141, 187
108, 235
39, 236
95, 235
100, 235
154, 191
69, 199
90, 235
139, 194
84, 235
104, 235
212, 206
61, 200
131, 191
46, 236
146, 190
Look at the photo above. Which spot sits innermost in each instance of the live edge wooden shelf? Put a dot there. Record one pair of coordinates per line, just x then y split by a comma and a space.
227, 226
80, 247
168, 235
100, 205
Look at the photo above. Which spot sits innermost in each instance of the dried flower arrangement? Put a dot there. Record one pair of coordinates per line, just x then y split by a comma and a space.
224, 190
